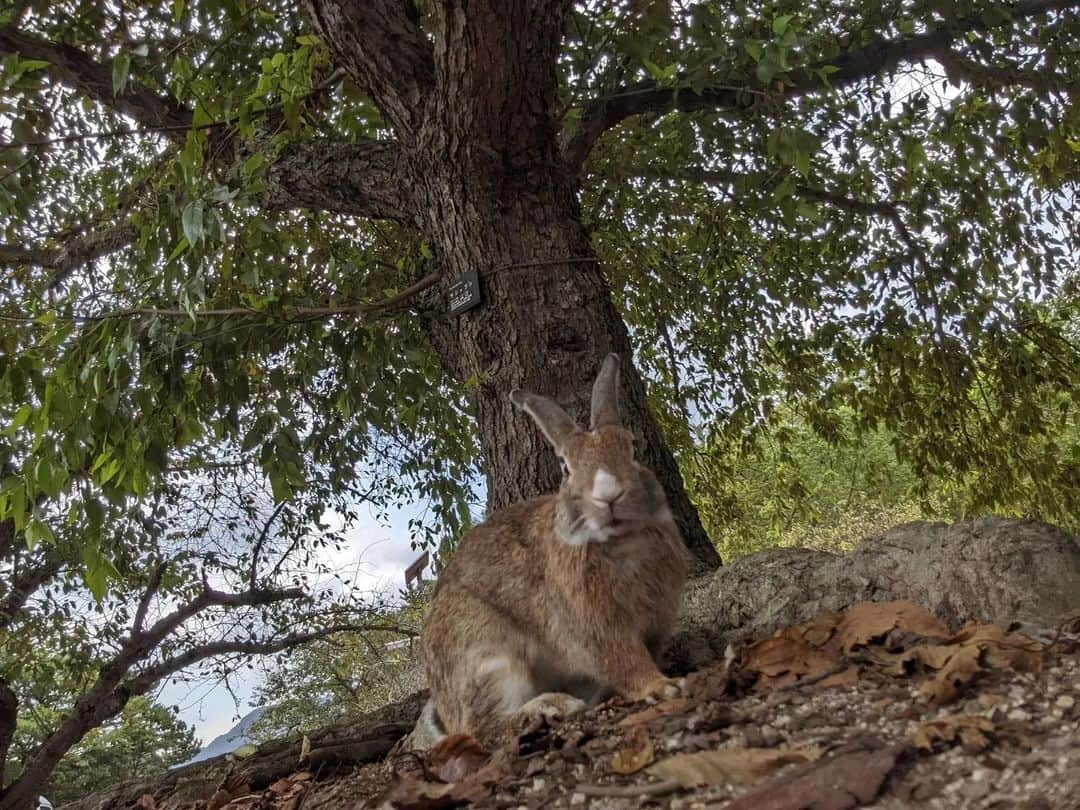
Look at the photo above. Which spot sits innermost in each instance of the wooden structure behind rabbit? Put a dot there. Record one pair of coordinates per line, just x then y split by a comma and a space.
562, 598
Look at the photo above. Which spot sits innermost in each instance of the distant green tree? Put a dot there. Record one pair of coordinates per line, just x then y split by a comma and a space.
144, 739
829, 485
792, 487
349, 674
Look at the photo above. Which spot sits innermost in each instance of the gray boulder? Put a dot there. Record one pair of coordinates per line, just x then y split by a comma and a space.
993, 569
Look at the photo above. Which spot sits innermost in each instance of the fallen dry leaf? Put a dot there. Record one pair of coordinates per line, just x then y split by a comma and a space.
1003, 650
739, 766
969, 729
863, 622
847, 677
281, 786
636, 755
289, 785
672, 706
146, 802
956, 673
410, 793
959, 658
782, 660
819, 630
849, 777
456, 757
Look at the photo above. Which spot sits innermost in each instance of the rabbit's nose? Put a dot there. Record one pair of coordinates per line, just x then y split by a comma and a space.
606, 488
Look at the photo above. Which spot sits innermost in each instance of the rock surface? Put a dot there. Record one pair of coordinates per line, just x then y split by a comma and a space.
993, 569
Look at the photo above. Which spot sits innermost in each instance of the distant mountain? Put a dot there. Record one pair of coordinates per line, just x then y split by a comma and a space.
229, 741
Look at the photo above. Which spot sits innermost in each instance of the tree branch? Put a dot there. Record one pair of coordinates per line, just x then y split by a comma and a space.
77, 250
380, 45
148, 595
362, 179
359, 179
604, 113
256, 550
960, 68
146, 679
22, 586
110, 694
77, 70
882, 208
396, 301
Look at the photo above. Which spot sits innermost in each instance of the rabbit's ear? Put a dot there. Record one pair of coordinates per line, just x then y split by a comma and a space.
605, 394
551, 419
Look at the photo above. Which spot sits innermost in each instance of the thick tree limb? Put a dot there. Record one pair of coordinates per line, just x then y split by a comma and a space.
856, 65
22, 585
968, 70
70, 254
77, 70
380, 45
361, 179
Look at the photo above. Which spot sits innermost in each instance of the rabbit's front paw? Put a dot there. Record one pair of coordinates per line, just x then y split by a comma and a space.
552, 705
662, 689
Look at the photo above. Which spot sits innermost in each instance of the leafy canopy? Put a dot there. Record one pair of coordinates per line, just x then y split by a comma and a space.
898, 243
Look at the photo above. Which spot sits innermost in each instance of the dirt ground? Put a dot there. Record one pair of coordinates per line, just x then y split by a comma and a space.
878, 706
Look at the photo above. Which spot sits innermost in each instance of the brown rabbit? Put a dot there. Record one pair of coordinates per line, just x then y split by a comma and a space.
562, 597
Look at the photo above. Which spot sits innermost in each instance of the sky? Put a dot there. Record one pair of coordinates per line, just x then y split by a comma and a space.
377, 552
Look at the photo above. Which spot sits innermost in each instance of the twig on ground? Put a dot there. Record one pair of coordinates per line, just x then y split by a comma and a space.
629, 791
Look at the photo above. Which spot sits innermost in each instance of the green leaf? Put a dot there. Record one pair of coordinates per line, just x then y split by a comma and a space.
181, 248
766, 69
178, 8
279, 485
192, 221
98, 570
780, 24
22, 416
38, 532
120, 68
28, 65
23, 131
254, 163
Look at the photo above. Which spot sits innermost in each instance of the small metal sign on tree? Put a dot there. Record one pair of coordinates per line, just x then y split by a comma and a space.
465, 292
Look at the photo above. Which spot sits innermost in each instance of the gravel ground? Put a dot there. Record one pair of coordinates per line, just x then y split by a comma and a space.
858, 729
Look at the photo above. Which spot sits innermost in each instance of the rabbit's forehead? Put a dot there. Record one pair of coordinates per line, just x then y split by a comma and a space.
609, 449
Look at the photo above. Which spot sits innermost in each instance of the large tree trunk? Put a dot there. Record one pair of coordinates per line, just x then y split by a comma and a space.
473, 102
546, 323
